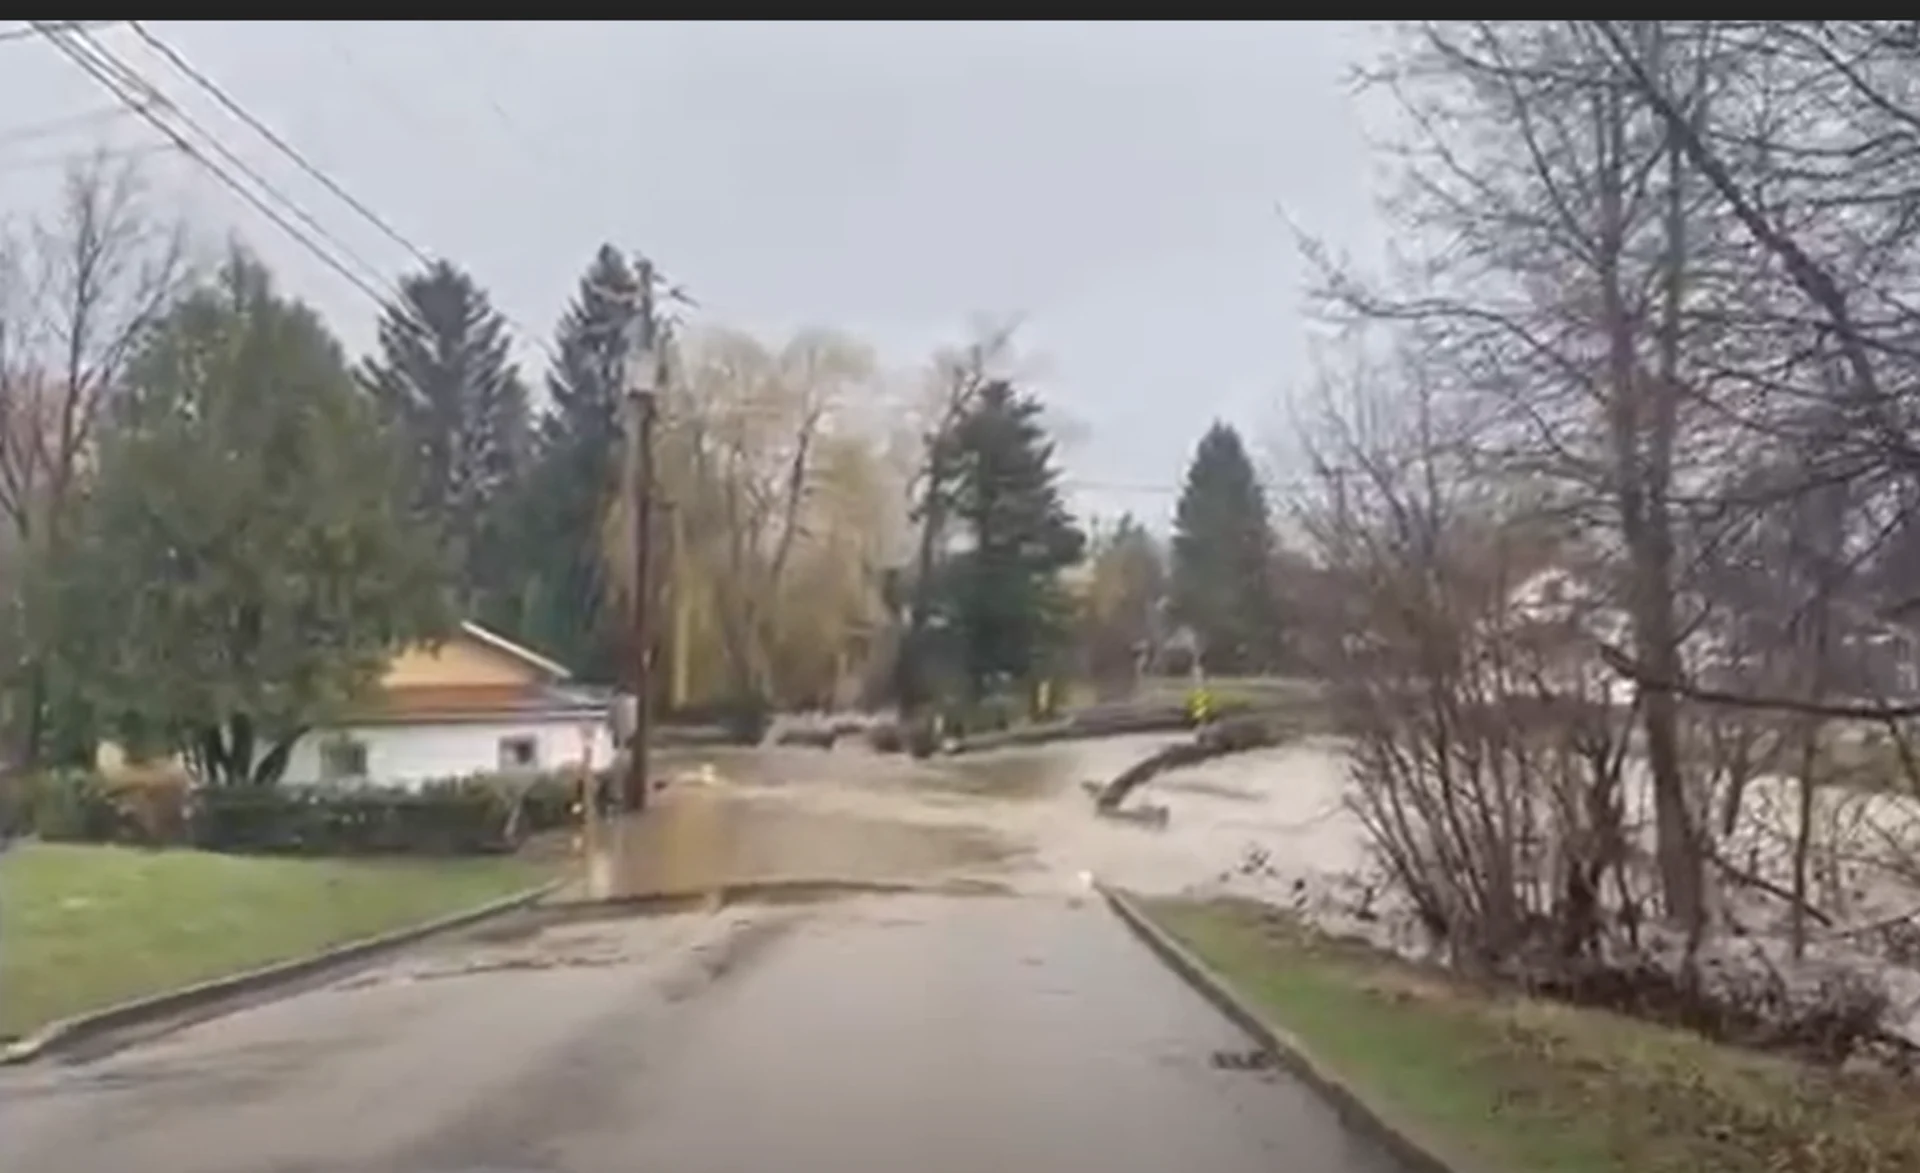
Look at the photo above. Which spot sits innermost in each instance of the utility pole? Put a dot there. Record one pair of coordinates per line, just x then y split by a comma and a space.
643, 371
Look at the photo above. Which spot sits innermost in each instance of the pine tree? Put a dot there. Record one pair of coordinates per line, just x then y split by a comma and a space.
445, 380
1002, 598
1223, 552
576, 462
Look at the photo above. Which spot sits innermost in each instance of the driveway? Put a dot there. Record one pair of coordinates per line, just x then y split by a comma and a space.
941, 1034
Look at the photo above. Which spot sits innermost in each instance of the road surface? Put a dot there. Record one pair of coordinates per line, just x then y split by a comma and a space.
938, 1034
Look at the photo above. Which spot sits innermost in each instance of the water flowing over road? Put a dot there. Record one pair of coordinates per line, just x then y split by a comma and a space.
934, 1031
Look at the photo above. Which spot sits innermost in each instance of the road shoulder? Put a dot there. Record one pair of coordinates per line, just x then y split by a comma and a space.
1409, 1143
1517, 1084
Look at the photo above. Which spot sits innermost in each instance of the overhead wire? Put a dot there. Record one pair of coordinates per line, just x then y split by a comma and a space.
232, 106
29, 29
339, 190
138, 93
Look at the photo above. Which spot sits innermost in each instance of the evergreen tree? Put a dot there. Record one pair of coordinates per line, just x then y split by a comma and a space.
575, 466
242, 560
445, 381
1002, 599
1223, 551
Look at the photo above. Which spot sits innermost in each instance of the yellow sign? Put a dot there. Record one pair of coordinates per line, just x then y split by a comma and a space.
1200, 706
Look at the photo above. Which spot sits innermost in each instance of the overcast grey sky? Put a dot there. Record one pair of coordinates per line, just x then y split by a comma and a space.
1115, 184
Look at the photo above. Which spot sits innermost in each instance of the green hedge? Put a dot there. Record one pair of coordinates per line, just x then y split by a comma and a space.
472, 815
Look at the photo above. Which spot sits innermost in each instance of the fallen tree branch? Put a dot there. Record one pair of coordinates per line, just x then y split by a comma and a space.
1232, 736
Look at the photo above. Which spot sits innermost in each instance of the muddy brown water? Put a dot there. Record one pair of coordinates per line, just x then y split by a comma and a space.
703, 838
1019, 816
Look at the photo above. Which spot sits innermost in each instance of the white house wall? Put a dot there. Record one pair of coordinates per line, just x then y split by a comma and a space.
413, 753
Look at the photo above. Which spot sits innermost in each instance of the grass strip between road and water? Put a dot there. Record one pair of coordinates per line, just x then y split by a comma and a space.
85, 927
1509, 1084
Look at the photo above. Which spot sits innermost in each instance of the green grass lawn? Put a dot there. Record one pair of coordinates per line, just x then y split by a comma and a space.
85, 927
1514, 1085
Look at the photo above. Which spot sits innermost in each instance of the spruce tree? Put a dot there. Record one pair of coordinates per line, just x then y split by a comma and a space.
575, 463
1223, 552
1003, 602
445, 381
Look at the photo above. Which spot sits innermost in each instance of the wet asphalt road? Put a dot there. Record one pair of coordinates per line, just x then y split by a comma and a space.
939, 1034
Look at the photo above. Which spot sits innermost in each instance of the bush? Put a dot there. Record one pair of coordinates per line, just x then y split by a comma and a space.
921, 738
547, 801
152, 811
482, 813
60, 806
744, 718
818, 737
885, 737
455, 816
442, 818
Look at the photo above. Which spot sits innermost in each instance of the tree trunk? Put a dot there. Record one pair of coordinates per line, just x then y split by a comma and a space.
1640, 430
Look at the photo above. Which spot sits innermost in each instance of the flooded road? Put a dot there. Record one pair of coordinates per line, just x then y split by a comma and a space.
1019, 817
933, 1032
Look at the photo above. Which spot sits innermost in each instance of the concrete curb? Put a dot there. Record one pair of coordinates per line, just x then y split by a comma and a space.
69, 1032
1416, 1153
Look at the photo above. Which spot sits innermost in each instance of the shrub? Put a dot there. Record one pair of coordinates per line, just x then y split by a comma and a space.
60, 806
744, 718
885, 737
817, 737
441, 818
547, 800
921, 738
150, 810
481, 813
455, 816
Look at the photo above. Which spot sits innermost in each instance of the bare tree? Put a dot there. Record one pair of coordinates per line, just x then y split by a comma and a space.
761, 449
1558, 305
77, 290
1488, 753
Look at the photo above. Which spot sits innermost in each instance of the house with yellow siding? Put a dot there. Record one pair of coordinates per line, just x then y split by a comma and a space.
475, 703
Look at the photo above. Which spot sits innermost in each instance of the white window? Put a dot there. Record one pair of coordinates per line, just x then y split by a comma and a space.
342, 759
519, 753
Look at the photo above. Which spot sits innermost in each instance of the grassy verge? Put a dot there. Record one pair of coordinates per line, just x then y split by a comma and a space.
1514, 1085
85, 927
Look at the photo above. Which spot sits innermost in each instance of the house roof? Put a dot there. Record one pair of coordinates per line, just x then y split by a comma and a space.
525, 655
440, 698
456, 703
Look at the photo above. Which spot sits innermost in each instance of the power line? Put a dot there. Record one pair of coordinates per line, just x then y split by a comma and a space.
31, 28
103, 65
239, 111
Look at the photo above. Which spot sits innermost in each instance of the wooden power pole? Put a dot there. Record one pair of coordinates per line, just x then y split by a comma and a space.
643, 370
